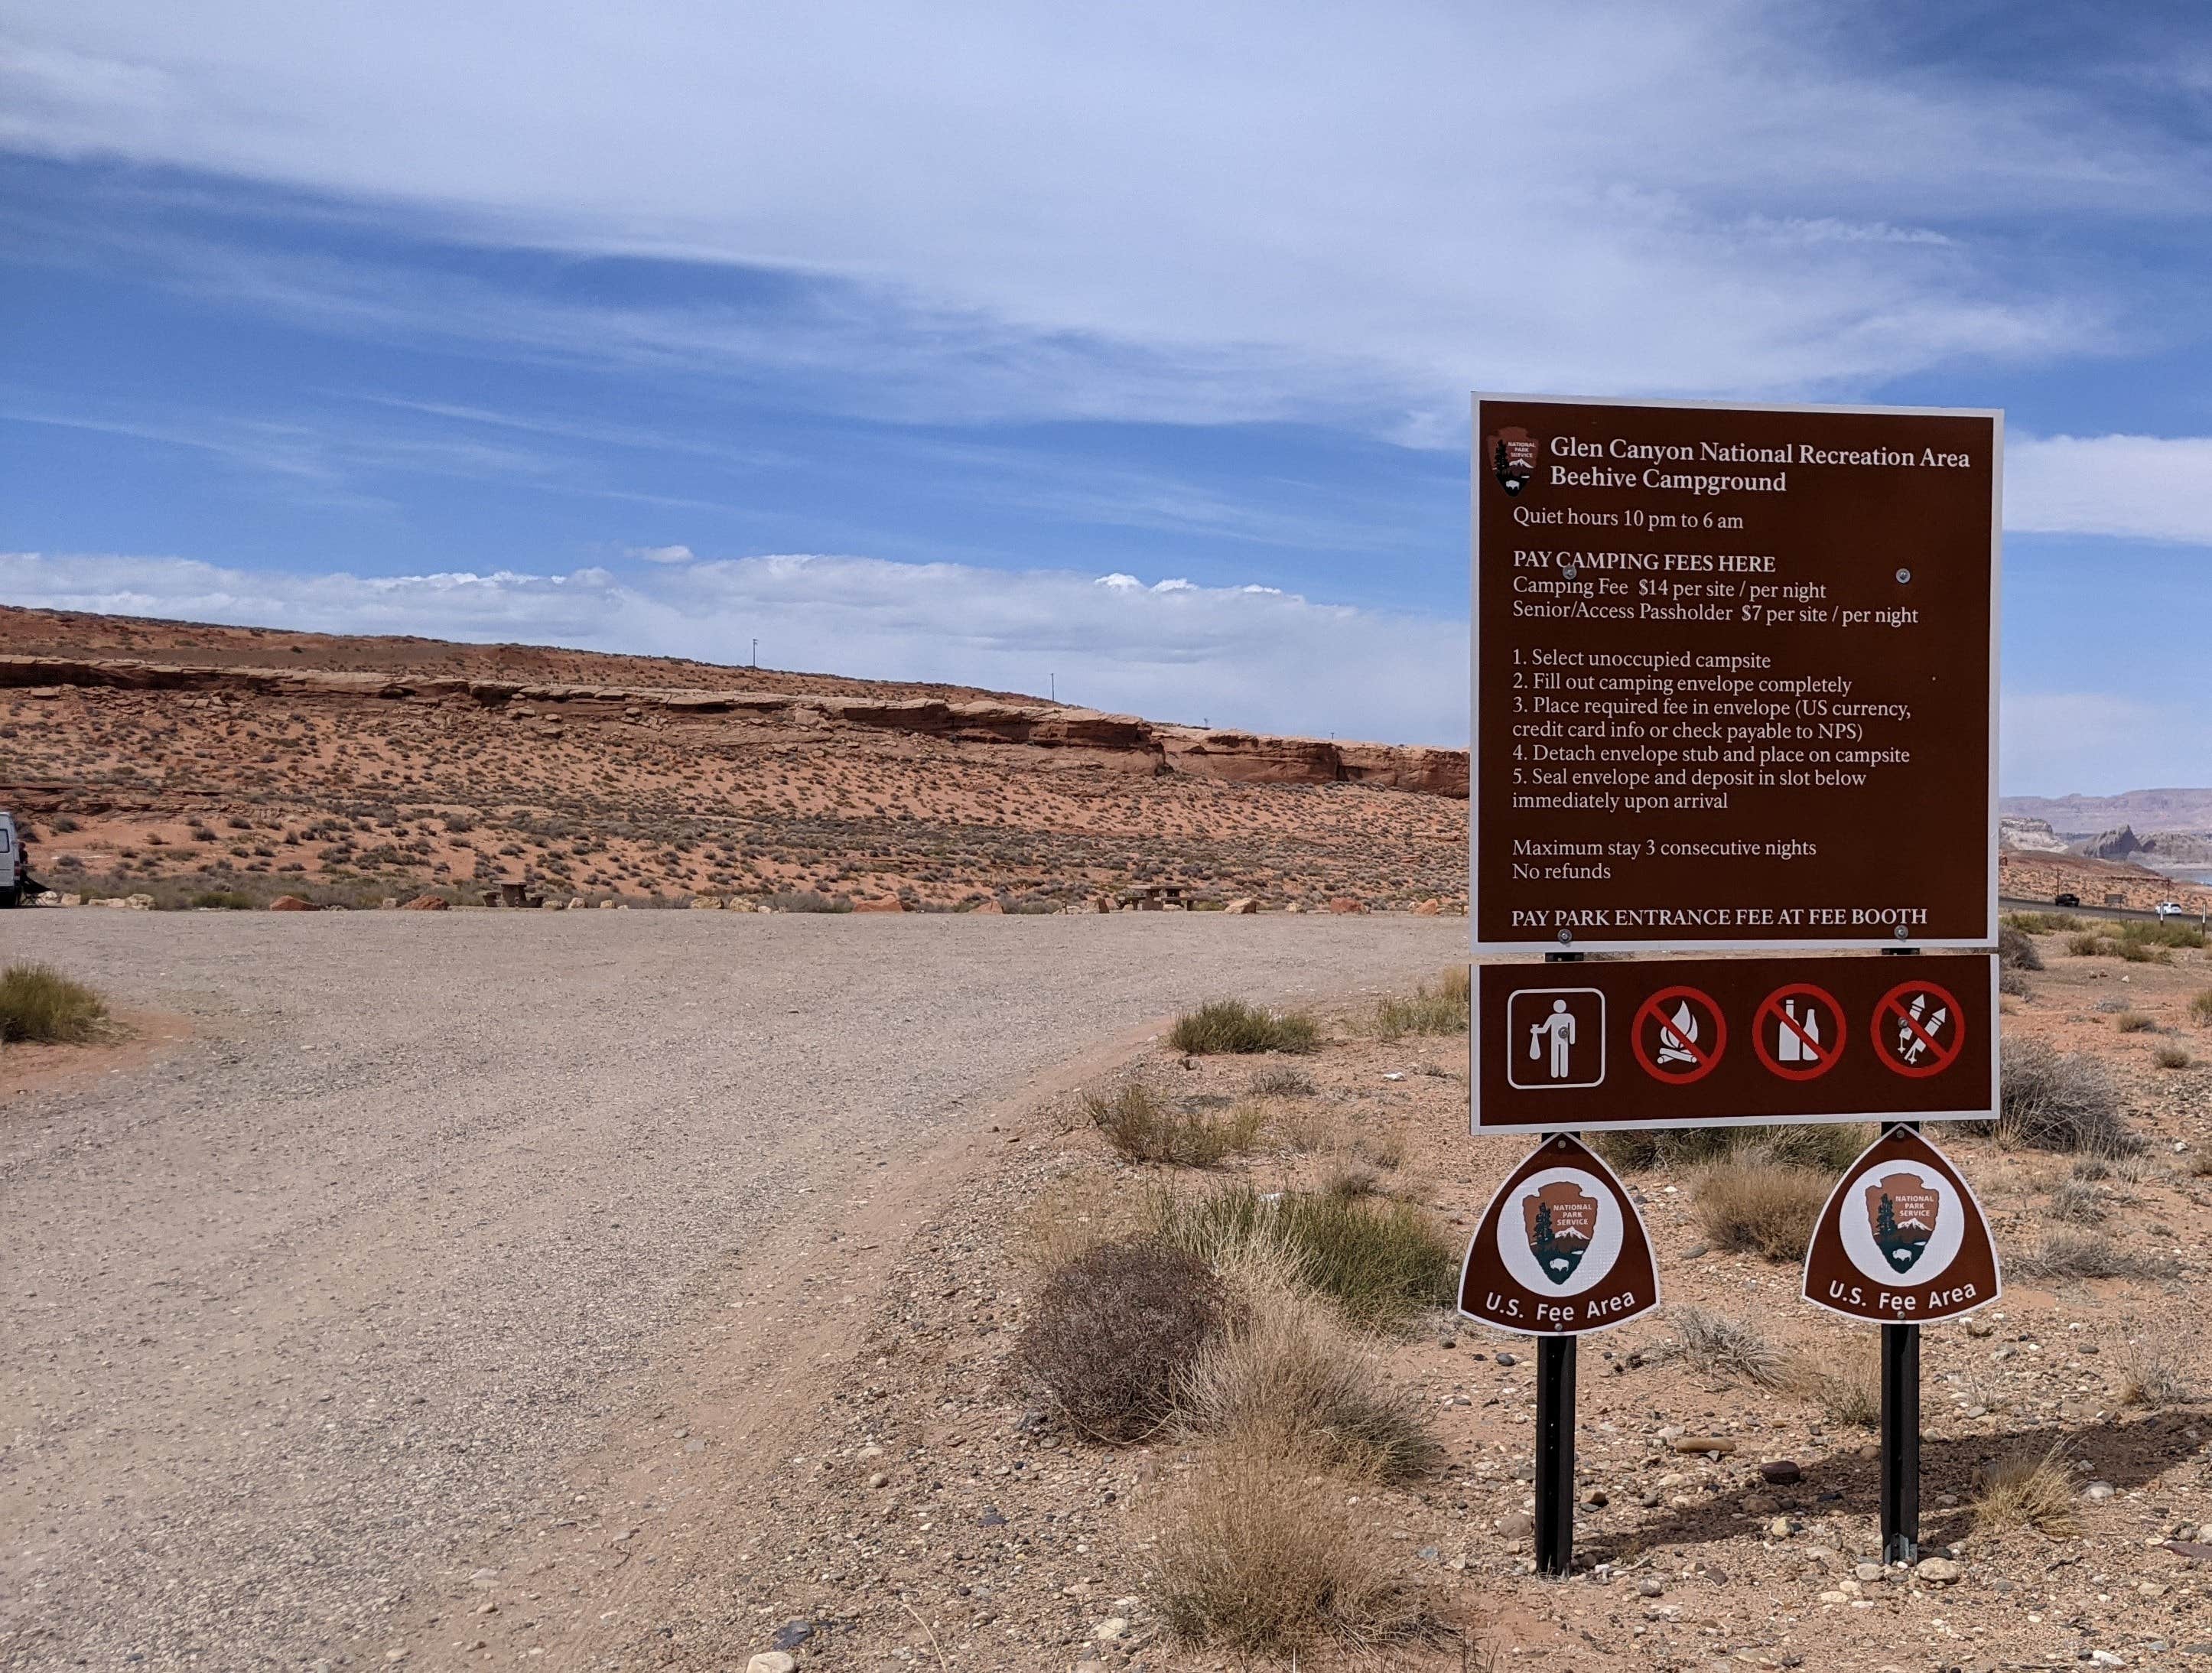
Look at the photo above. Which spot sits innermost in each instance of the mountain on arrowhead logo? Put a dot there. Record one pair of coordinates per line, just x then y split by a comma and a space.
1513, 458
1560, 1219
1903, 1213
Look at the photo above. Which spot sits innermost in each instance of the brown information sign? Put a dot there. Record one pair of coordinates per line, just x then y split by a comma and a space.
1712, 1042
1733, 676
1902, 1241
1561, 1251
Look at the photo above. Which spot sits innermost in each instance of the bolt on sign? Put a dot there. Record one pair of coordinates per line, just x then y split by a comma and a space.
1561, 1251
1902, 1241
1707, 1041
1733, 676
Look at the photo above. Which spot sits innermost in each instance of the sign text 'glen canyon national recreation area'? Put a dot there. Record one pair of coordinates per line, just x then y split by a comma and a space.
1733, 676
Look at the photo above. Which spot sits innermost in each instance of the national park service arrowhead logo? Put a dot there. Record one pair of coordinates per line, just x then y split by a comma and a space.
1560, 1250
1902, 1240
1512, 458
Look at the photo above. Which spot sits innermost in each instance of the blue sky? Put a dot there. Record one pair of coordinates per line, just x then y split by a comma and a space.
1126, 349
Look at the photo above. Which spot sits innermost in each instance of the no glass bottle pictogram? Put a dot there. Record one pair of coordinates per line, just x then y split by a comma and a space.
1799, 1031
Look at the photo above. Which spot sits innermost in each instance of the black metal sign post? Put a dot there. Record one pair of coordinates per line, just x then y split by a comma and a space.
1555, 1432
1900, 1421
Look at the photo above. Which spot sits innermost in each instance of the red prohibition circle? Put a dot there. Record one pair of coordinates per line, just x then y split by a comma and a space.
1707, 1060
1938, 1059
1772, 1007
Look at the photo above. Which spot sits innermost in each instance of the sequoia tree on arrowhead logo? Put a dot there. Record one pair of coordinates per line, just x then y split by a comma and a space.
1903, 1212
1561, 1220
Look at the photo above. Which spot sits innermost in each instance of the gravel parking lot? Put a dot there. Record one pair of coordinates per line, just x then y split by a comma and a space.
300, 1313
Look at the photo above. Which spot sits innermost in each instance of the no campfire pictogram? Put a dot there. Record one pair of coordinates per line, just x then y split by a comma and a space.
1806, 1025
1918, 1029
1679, 1035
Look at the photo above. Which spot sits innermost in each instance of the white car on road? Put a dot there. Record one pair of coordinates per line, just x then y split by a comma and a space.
2169, 909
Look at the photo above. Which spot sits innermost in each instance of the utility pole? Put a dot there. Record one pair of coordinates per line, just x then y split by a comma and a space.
756, 652
1053, 687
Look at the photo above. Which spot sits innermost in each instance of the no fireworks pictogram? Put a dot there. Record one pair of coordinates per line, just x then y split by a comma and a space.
1679, 1035
1799, 1031
1918, 1029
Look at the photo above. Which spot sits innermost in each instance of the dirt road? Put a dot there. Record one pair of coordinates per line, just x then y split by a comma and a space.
301, 1317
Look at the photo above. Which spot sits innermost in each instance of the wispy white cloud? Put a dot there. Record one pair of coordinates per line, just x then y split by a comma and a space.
661, 554
1196, 214
1234, 656
2147, 487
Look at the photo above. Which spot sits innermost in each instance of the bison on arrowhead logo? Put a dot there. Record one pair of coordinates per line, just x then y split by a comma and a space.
1560, 1218
1513, 458
1903, 1212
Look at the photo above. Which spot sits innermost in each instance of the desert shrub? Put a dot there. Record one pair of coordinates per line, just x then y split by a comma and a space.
1722, 1346
1115, 1330
223, 900
2026, 1490
2064, 1254
1144, 1127
1846, 1386
1379, 1262
1284, 1367
2166, 932
806, 900
1816, 1145
1441, 1009
2041, 923
2061, 1101
2011, 981
2172, 1056
1262, 1555
2200, 1006
38, 1004
2076, 1202
2087, 944
2016, 952
2135, 1022
64, 824
1281, 1080
1754, 1203
1232, 1025
2150, 1376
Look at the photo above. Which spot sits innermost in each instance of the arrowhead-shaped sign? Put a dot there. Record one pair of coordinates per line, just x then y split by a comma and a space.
1902, 1240
1560, 1250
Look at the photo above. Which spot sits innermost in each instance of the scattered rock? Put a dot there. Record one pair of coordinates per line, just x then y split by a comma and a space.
2099, 1491
290, 904
1243, 907
1345, 905
428, 904
1703, 1444
791, 1634
1937, 1572
772, 1661
888, 903
1517, 1524
1507, 1360
1781, 1472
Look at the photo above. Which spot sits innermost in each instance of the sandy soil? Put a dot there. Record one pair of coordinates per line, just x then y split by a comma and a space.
460, 1248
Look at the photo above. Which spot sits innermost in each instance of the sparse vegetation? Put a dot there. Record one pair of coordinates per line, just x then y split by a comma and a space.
1262, 1555
1281, 1080
2026, 1490
1754, 1203
1114, 1331
2170, 1056
1813, 1145
1847, 1387
2016, 952
2069, 1254
1441, 1009
2062, 1101
1285, 1368
2151, 1376
1232, 1025
2041, 923
2135, 1022
1144, 1127
2200, 1006
39, 1005
2076, 1202
1378, 1261
806, 900
1719, 1346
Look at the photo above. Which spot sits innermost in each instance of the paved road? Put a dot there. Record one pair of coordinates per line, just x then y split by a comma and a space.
305, 1311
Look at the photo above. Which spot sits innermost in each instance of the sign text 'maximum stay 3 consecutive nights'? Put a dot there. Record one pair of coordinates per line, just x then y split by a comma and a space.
1733, 675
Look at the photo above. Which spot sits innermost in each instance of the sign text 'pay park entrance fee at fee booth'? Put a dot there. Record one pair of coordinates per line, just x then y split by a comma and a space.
1733, 677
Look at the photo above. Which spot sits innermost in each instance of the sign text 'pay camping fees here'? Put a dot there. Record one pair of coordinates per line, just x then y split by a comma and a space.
1733, 676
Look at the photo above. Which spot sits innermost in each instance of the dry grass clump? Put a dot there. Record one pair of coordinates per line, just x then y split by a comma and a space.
1764, 1207
1263, 1555
1074, 1214
1379, 1262
2039, 923
1824, 1145
2151, 1377
2135, 1022
2200, 1006
1725, 1348
1282, 1081
1848, 1390
1232, 1025
2077, 1203
2062, 1254
2026, 1490
38, 1004
1114, 1331
1285, 1367
2168, 1056
2062, 1101
1441, 1009
1143, 1127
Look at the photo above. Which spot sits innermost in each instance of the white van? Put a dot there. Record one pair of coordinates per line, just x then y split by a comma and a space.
15, 870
